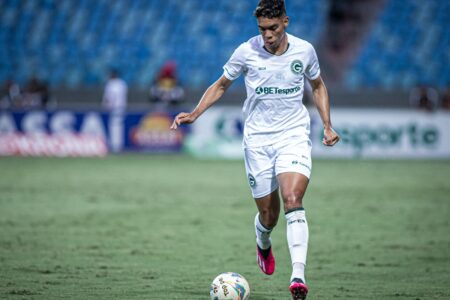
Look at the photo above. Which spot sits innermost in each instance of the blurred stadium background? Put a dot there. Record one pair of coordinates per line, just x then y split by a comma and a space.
389, 46
374, 54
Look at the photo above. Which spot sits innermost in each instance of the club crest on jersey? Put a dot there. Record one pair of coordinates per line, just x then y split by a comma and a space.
297, 67
251, 180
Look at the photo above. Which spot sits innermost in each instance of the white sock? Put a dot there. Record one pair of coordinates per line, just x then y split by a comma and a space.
262, 234
298, 271
297, 237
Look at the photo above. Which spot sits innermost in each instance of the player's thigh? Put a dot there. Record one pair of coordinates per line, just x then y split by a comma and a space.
293, 169
260, 169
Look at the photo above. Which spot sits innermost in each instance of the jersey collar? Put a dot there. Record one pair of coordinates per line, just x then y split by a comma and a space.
287, 48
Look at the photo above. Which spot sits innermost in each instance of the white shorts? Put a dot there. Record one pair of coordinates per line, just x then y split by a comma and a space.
263, 164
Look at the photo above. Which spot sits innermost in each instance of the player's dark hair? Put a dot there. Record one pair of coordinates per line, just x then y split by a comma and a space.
270, 9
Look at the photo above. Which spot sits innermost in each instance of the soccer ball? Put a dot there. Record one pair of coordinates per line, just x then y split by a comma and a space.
229, 286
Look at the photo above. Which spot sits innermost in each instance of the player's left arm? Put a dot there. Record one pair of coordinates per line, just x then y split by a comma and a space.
322, 102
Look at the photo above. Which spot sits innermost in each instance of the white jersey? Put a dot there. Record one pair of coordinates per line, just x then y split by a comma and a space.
273, 109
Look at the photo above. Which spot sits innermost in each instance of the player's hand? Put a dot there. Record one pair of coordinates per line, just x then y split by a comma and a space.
182, 118
330, 137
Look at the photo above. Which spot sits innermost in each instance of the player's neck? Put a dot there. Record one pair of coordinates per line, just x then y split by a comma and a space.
281, 49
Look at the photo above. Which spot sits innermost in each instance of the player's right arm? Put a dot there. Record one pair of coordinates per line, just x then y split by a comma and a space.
211, 96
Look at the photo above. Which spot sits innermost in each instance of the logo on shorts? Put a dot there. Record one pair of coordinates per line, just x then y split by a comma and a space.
251, 180
296, 162
297, 67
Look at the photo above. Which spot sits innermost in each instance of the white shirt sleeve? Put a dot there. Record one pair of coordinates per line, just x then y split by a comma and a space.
313, 68
235, 66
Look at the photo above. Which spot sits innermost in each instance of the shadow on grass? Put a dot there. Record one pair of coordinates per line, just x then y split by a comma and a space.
260, 296
195, 294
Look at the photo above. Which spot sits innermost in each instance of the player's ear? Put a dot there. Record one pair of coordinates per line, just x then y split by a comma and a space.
286, 21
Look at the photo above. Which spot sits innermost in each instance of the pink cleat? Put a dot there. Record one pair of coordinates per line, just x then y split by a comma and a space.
298, 289
265, 260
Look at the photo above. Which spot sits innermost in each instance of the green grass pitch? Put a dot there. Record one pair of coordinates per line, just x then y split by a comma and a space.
162, 227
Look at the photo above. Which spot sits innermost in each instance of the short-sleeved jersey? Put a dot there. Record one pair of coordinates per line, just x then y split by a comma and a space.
273, 109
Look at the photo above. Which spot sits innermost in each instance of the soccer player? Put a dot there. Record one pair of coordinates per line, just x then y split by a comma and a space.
276, 143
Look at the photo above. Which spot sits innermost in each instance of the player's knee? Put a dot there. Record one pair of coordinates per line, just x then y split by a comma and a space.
293, 200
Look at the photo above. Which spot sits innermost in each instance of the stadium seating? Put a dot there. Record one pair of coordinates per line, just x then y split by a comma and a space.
75, 43
409, 45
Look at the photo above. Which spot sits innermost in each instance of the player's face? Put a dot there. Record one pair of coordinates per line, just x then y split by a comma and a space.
273, 31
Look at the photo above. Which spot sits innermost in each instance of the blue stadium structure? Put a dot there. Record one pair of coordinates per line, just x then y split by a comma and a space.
75, 43
409, 45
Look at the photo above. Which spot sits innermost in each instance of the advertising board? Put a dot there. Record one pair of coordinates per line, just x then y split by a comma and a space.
87, 133
59, 133
365, 133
